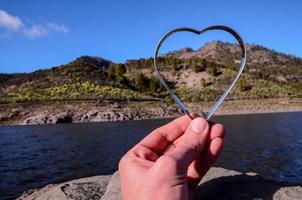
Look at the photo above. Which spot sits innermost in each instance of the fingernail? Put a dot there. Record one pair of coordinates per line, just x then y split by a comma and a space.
198, 125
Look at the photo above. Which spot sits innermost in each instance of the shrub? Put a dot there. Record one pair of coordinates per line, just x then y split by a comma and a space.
197, 67
140, 81
120, 79
212, 69
155, 84
203, 83
243, 86
120, 69
111, 72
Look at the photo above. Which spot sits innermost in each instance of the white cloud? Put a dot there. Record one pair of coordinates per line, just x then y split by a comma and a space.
10, 22
58, 27
14, 23
36, 31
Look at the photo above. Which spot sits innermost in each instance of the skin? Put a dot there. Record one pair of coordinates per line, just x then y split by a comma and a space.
170, 161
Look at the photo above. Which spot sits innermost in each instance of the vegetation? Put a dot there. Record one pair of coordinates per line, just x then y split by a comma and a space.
85, 90
199, 65
269, 75
141, 82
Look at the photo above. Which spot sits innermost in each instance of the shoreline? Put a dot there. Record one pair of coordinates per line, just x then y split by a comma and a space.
94, 111
268, 112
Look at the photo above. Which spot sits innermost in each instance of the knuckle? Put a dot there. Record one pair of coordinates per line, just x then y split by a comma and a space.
167, 160
192, 145
167, 164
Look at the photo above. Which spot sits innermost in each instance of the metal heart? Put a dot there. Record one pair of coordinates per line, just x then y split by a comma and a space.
199, 32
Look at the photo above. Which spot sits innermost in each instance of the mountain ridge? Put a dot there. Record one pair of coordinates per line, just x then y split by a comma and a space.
205, 72
256, 54
202, 52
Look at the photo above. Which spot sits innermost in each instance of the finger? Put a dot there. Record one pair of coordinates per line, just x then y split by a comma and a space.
217, 130
190, 145
161, 137
199, 167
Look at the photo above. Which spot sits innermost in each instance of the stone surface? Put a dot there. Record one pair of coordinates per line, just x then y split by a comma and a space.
113, 191
63, 117
38, 119
217, 184
84, 188
221, 184
289, 193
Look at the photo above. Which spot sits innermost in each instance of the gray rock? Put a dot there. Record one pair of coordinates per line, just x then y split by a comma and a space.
217, 184
63, 117
116, 105
106, 116
3, 116
289, 193
113, 191
10, 114
38, 119
221, 184
92, 114
84, 188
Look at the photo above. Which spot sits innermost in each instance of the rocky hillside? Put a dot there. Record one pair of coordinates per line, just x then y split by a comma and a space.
227, 53
195, 75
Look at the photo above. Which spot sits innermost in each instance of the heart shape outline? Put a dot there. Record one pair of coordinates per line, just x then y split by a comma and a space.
200, 32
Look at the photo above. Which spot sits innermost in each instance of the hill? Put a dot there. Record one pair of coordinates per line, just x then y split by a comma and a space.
195, 75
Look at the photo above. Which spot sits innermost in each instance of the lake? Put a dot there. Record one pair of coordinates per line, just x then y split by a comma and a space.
33, 156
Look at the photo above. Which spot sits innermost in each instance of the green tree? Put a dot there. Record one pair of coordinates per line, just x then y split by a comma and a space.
120, 79
111, 72
120, 69
140, 81
155, 84
212, 69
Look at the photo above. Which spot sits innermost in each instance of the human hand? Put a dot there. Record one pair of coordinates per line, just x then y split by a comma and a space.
170, 161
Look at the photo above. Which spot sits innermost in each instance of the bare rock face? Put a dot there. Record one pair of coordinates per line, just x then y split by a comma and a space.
9, 114
84, 188
63, 117
113, 191
217, 184
290, 193
38, 119
222, 184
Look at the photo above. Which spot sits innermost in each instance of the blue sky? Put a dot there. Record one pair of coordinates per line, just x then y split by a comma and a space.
40, 34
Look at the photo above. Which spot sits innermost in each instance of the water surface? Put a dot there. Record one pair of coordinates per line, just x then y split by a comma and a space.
33, 156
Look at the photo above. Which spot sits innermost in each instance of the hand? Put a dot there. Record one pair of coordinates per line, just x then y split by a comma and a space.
170, 161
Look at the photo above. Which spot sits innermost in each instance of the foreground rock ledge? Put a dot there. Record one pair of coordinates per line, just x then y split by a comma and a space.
218, 183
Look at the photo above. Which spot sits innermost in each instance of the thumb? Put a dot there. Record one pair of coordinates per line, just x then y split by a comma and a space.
189, 146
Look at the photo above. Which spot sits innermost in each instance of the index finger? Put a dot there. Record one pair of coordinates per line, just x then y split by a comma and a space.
161, 137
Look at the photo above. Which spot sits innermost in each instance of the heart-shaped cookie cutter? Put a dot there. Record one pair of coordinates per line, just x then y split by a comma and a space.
199, 32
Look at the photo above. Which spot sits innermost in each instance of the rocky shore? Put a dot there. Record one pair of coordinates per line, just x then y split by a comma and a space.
218, 183
93, 111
